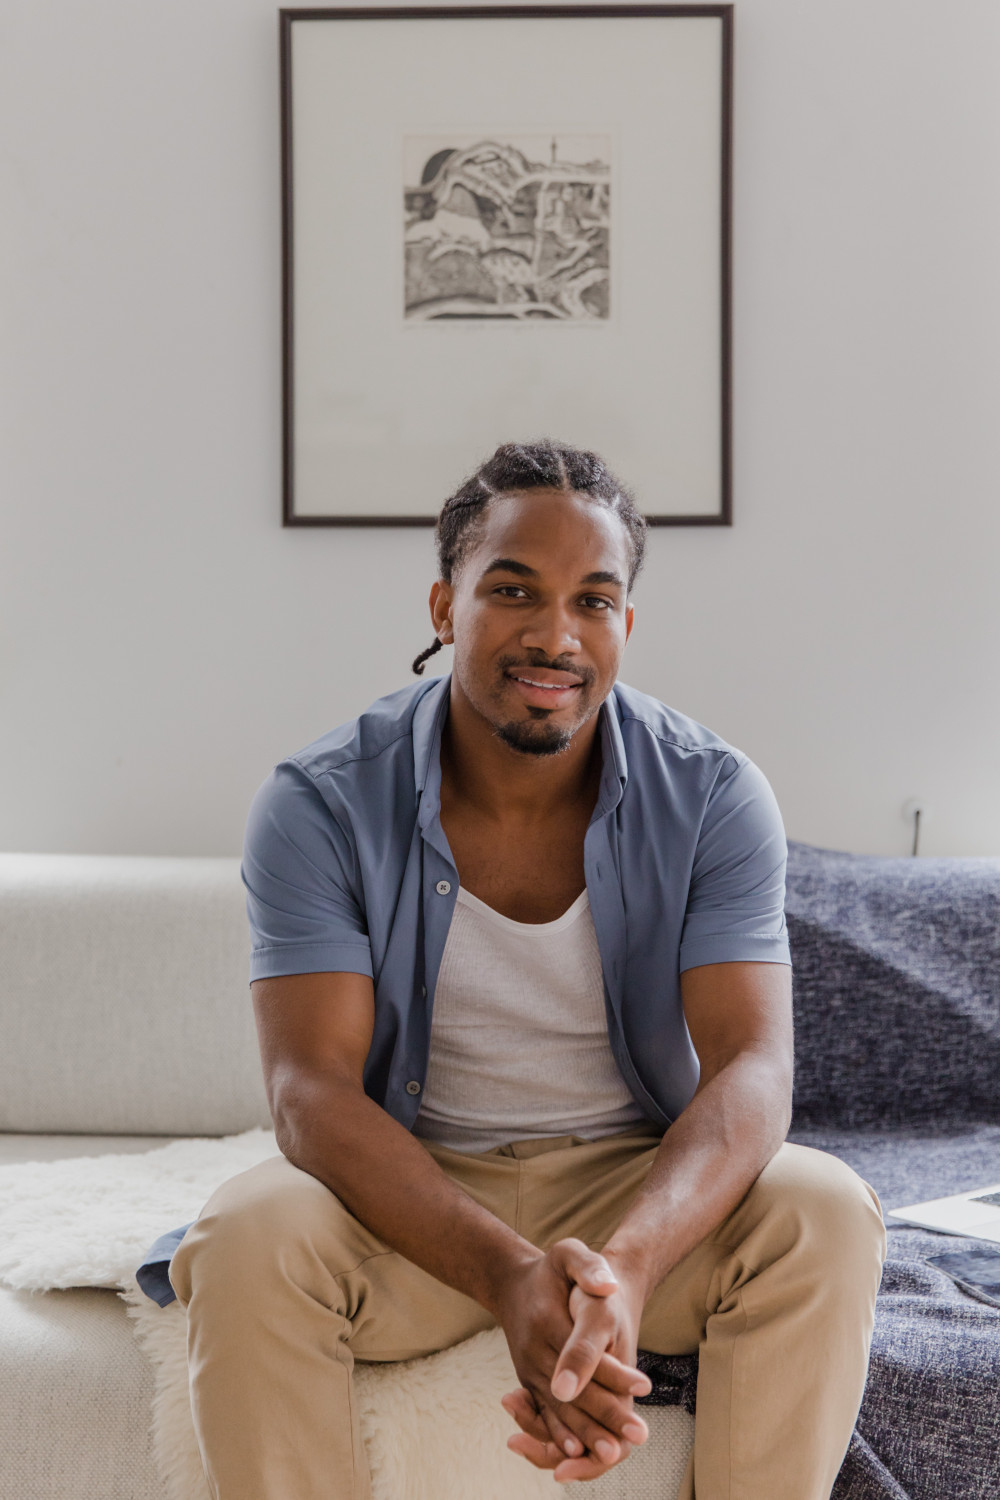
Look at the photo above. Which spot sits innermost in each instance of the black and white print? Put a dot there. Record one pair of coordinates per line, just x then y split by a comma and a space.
507, 226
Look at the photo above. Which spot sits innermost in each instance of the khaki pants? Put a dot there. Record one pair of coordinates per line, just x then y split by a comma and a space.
284, 1289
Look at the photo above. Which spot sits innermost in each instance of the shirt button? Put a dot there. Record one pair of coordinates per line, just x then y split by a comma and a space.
443, 887
413, 1087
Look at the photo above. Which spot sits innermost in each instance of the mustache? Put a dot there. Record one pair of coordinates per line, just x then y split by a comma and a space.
556, 664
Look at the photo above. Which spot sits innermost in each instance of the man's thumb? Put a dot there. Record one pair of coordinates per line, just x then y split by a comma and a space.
588, 1269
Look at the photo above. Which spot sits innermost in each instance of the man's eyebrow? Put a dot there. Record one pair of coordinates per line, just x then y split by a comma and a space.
604, 578
511, 565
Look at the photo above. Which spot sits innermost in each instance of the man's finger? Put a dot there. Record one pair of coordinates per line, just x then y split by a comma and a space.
595, 1436
542, 1455
604, 1414
521, 1407
622, 1379
593, 1331
571, 1430
546, 1426
611, 1372
569, 1445
588, 1467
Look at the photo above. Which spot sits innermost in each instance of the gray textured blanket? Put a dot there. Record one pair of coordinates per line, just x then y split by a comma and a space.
897, 999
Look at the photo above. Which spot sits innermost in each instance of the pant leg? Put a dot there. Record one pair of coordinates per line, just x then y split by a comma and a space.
283, 1289
786, 1293
779, 1303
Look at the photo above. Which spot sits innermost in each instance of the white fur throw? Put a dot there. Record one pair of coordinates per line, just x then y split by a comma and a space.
89, 1220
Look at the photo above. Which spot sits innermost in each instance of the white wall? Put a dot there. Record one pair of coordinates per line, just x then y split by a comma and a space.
163, 640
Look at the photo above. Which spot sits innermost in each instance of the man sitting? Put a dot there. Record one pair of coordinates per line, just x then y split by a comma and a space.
522, 988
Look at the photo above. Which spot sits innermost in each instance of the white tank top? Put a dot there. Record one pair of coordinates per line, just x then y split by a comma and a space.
519, 1034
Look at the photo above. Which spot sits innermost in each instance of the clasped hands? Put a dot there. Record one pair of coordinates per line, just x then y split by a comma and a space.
572, 1326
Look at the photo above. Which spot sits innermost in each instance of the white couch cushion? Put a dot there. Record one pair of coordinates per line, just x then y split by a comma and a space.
124, 1003
75, 1400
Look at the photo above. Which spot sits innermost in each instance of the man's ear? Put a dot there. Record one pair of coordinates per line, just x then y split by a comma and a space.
441, 598
629, 620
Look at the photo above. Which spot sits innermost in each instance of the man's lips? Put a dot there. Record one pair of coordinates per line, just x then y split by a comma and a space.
553, 681
543, 686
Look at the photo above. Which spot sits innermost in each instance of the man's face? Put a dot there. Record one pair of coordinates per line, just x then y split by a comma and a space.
539, 616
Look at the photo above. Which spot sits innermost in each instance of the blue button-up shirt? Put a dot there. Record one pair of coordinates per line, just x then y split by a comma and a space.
347, 868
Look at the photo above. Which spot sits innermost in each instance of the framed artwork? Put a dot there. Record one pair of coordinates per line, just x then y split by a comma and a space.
502, 224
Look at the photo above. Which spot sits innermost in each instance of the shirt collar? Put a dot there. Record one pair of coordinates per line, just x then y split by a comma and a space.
614, 772
428, 723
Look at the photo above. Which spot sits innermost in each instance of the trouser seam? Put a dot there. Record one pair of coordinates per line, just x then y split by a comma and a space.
732, 1391
350, 1271
375, 1255
358, 1462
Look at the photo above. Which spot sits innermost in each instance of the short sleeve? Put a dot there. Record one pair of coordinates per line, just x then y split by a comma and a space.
299, 870
736, 902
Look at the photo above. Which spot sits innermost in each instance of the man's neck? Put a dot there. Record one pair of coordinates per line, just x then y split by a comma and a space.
503, 784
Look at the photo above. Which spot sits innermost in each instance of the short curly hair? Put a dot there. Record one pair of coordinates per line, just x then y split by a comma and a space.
544, 465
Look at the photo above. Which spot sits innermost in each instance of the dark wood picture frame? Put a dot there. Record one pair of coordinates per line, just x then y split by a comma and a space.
289, 18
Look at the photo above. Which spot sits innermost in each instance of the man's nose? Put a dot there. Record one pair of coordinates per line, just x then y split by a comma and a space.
551, 630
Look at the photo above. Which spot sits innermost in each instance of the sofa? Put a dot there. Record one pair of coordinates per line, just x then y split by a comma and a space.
125, 1024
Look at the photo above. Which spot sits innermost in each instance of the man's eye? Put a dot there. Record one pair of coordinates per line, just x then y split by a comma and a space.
595, 601
510, 590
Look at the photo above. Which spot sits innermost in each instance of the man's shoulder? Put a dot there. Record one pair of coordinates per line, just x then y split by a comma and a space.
379, 736
680, 768
648, 723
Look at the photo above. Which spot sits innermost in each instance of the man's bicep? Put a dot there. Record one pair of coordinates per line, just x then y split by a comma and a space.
313, 1025
737, 1008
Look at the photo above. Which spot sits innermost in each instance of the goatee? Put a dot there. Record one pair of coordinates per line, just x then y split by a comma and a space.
534, 738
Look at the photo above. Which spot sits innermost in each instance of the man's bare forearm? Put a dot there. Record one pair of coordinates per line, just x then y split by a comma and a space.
706, 1163
327, 1127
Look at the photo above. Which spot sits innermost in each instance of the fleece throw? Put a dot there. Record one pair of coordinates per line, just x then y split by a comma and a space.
88, 1221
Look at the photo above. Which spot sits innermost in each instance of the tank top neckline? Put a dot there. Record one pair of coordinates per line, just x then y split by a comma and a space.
490, 914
